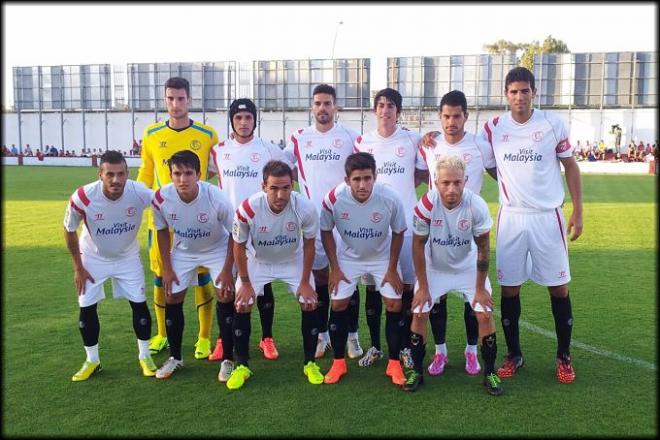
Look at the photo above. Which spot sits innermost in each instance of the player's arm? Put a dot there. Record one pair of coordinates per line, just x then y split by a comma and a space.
481, 296
305, 288
164, 247
391, 275
241, 234
80, 274
421, 176
419, 260
574, 183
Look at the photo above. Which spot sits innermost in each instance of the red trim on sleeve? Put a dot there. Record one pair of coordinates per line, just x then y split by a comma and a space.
426, 202
326, 207
422, 216
159, 197
563, 145
296, 152
495, 121
78, 210
83, 197
154, 205
332, 196
240, 217
489, 133
248, 209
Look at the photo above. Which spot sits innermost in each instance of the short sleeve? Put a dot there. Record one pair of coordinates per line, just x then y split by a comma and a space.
159, 218
73, 214
482, 222
240, 230
487, 155
309, 218
559, 128
224, 208
288, 154
398, 221
327, 217
422, 216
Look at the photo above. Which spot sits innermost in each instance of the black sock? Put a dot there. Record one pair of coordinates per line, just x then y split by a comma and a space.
406, 317
417, 351
225, 314
374, 310
266, 306
353, 311
310, 332
338, 332
471, 325
489, 353
88, 323
323, 307
562, 311
141, 320
510, 317
241, 330
174, 326
438, 320
393, 333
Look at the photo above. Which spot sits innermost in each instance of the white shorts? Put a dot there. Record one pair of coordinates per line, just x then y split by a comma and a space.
406, 266
539, 234
320, 258
185, 269
440, 283
127, 279
354, 271
263, 273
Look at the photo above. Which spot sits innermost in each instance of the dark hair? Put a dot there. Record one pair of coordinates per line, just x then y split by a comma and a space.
519, 74
184, 158
176, 82
325, 88
454, 99
391, 95
359, 161
112, 156
277, 168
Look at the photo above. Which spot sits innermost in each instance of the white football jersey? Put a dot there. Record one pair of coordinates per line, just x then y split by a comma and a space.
365, 228
111, 226
199, 227
472, 149
276, 238
451, 232
240, 166
527, 156
320, 159
396, 156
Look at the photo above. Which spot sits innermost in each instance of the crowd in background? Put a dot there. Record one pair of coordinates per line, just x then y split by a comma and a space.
594, 151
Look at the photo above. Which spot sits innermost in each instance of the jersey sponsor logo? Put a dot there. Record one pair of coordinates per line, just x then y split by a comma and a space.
255, 157
338, 143
467, 157
400, 151
116, 229
325, 155
344, 216
202, 217
451, 241
195, 144
291, 226
192, 233
523, 155
464, 224
172, 216
390, 168
263, 229
131, 211
537, 136
376, 217
437, 222
241, 172
98, 216
363, 233
279, 240
162, 144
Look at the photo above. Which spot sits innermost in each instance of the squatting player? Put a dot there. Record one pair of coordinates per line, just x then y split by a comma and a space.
111, 209
282, 226
160, 141
449, 220
200, 218
528, 145
370, 220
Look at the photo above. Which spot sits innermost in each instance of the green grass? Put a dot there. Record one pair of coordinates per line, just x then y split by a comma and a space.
614, 305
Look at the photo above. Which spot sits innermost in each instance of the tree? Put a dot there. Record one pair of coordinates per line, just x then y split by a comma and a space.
502, 47
549, 45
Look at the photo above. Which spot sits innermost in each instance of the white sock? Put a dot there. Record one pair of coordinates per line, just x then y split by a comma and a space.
441, 349
471, 349
93, 353
352, 335
143, 347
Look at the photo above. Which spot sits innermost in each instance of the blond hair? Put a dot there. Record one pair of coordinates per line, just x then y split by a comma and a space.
450, 162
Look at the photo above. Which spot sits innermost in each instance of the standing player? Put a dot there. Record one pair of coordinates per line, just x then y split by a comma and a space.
400, 165
370, 220
161, 140
200, 218
448, 220
319, 152
111, 209
239, 163
471, 149
281, 226
528, 144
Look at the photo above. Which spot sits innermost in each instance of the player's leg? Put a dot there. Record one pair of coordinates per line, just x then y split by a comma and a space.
142, 329
373, 310
486, 324
472, 366
415, 375
338, 325
266, 306
225, 314
159, 341
563, 315
438, 319
353, 343
204, 293
323, 296
408, 278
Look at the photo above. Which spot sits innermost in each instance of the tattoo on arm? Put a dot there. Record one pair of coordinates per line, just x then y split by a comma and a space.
482, 265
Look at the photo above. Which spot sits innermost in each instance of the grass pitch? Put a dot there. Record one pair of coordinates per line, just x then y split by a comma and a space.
613, 293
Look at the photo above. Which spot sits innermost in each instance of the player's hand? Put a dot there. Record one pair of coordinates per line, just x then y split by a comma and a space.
226, 282
392, 277
428, 140
575, 225
422, 296
482, 297
336, 276
308, 295
79, 278
169, 277
244, 298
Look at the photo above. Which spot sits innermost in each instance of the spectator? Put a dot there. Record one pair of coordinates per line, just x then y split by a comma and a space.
631, 152
5, 151
640, 152
53, 151
281, 144
40, 155
14, 151
601, 148
28, 151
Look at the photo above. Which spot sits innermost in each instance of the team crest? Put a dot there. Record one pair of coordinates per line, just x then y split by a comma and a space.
195, 144
338, 143
376, 217
400, 151
291, 226
464, 224
131, 211
537, 136
255, 157
202, 217
467, 157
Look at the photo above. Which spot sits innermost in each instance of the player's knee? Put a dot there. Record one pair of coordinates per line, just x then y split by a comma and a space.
339, 305
559, 291
392, 305
510, 291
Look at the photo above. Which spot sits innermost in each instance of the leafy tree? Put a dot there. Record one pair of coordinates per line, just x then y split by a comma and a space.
549, 45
